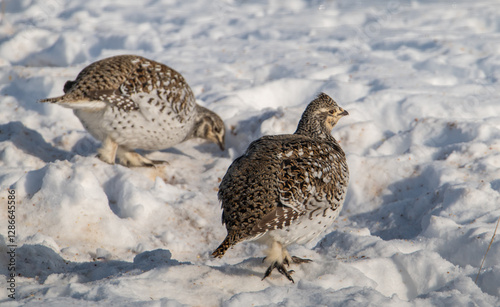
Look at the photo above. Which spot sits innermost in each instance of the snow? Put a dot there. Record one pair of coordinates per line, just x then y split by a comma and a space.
418, 78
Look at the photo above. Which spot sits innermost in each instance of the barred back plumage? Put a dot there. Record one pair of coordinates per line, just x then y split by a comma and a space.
130, 102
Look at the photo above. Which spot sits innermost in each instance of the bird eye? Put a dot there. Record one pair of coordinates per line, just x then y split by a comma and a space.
331, 112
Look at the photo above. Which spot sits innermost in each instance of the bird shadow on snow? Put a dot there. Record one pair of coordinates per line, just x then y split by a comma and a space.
38, 261
86, 146
243, 268
170, 150
211, 148
202, 148
31, 142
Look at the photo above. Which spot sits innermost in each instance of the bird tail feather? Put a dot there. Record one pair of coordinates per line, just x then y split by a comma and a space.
52, 100
81, 104
223, 247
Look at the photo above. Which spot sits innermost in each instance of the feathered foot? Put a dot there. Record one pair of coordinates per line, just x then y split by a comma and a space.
131, 158
281, 268
107, 151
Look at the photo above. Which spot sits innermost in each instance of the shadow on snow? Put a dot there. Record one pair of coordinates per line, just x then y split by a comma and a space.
38, 261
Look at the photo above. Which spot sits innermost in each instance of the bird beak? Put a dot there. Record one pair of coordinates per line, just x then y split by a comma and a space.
344, 113
220, 141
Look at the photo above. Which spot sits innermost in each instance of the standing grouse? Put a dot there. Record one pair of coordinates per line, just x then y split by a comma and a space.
286, 189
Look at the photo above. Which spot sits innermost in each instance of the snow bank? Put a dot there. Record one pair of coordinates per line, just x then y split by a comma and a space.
418, 78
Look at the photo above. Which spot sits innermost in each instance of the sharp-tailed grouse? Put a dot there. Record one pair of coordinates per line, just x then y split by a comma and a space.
128, 102
286, 189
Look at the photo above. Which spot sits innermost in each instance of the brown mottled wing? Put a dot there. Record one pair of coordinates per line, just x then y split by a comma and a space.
116, 80
169, 86
104, 76
312, 176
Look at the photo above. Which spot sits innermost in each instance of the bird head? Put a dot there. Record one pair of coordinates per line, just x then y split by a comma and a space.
320, 116
209, 126
332, 115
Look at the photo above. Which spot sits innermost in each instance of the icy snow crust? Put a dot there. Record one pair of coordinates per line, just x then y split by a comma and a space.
420, 82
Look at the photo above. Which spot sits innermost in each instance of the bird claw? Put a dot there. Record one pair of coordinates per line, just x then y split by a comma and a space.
296, 259
281, 268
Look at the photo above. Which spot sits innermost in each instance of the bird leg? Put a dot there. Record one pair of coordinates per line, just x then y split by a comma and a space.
278, 257
107, 151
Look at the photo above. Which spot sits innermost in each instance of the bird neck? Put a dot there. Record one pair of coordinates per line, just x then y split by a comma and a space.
314, 128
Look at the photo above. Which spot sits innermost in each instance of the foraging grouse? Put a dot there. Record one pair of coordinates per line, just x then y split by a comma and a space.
129, 102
